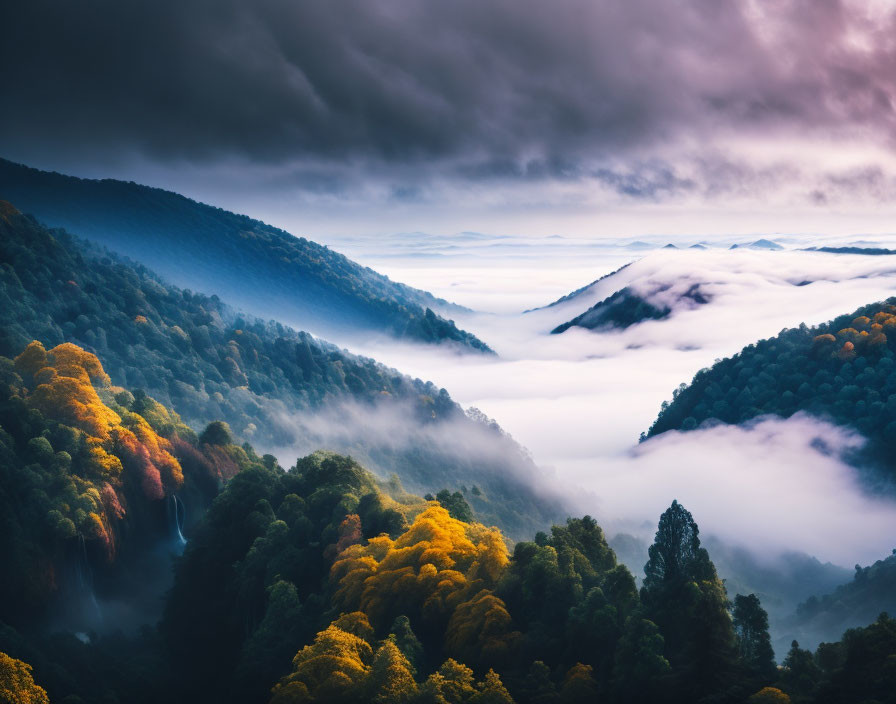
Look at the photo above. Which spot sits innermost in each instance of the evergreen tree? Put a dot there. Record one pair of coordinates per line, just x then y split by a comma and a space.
684, 596
537, 686
641, 666
800, 674
753, 640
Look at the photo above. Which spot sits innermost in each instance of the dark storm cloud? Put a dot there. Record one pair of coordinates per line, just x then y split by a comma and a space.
482, 88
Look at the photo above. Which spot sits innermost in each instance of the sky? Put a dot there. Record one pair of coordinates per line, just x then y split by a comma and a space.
514, 117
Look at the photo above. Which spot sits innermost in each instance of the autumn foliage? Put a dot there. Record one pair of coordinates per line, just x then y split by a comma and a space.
17, 685
440, 573
64, 384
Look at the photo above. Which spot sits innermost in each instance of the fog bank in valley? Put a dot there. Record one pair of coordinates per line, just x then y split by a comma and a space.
579, 400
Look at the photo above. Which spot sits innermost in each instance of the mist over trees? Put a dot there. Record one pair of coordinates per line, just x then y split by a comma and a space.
267, 381
322, 583
840, 371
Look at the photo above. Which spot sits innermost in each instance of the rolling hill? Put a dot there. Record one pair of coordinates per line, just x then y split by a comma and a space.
261, 269
842, 371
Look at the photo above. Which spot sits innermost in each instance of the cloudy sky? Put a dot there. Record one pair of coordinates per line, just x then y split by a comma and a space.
509, 116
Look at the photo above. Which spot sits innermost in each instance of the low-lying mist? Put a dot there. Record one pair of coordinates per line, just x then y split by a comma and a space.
579, 400
427, 455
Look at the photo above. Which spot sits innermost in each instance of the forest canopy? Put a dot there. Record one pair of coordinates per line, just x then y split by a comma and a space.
842, 371
322, 583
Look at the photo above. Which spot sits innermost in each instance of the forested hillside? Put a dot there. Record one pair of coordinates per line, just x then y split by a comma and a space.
275, 387
620, 310
260, 268
321, 584
646, 299
92, 479
842, 371
871, 591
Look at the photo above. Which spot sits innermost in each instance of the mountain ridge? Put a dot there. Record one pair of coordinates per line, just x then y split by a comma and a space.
265, 270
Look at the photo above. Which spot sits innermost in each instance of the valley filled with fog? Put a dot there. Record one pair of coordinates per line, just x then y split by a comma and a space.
580, 400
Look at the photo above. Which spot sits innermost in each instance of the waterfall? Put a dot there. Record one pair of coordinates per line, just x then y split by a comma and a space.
85, 581
177, 513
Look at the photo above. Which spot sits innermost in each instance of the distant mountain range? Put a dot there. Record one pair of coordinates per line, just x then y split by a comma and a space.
759, 244
262, 269
871, 251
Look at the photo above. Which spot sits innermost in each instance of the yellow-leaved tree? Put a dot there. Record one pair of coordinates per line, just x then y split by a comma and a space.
17, 685
332, 669
440, 573
391, 679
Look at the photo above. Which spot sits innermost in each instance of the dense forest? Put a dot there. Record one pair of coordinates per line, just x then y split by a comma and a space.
275, 387
842, 371
321, 583
262, 269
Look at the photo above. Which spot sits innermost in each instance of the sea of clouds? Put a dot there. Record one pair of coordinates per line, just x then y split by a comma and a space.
579, 400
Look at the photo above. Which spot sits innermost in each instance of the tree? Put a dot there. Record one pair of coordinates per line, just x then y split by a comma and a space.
753, 640
456, 505
683, 595
17, 685
452, 683
867, 666
333, 669
491, 691
480, 630
436, 565
216, 433
538, 688
391, 679
640, 665
407, 642
769, 695
266, 654
676, 557
800, 674
579, 686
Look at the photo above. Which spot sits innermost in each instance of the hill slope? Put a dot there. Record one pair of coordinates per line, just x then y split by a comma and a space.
262, 269
871, 592
284, 390
842, 370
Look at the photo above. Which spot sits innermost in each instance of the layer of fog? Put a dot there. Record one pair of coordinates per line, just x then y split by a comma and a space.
578, 401
453, 451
